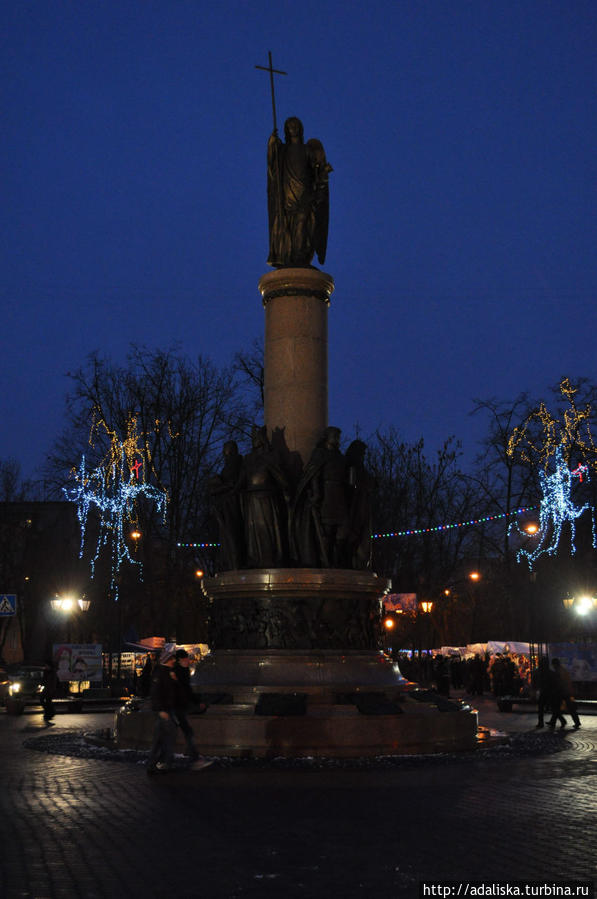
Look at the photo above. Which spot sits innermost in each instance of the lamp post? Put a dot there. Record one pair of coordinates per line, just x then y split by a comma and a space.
475, 578
583, 606
135, 535
426, 607
67, 605
423, 612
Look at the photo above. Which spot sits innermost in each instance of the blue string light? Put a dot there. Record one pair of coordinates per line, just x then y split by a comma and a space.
556, 508
447, 527
113, 489
412, 533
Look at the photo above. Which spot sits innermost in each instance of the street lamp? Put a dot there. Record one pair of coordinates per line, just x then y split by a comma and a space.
584, 604
474, 577
425, 606
68, 604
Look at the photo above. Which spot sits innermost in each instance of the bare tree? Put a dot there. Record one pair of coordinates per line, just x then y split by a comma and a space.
248, 365
417, 497
183, 410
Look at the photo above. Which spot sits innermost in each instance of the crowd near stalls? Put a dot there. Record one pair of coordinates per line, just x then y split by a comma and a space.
497, 668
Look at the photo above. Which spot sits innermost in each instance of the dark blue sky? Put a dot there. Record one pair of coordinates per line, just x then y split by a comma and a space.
463, 232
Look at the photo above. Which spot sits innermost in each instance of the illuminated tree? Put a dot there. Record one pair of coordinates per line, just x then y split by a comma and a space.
564, 448
185, 409
113, 490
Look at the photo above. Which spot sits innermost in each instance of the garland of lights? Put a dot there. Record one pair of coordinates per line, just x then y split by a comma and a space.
571, 436
556, 508
557, 442
446, 527
113, 488
411, 533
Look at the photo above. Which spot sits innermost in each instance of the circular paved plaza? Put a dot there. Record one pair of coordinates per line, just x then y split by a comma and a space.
87, 827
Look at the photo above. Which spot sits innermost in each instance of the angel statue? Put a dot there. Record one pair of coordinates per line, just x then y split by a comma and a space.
298, 198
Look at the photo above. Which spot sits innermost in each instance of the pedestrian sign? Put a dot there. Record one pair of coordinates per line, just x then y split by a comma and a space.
8, 604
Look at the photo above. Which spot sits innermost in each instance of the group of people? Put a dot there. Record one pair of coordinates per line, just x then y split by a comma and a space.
446, 672
554, 694
171, 696
501, 675
324, 521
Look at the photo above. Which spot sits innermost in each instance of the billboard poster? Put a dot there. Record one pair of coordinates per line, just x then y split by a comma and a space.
579, 658
400, 602
78, 661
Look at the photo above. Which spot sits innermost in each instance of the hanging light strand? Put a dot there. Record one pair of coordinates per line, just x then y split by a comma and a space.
113, 490
413, 532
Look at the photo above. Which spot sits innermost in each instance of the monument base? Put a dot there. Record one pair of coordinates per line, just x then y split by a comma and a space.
287, 704
315, 698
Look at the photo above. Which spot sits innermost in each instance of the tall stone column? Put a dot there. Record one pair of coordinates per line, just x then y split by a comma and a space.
296, 304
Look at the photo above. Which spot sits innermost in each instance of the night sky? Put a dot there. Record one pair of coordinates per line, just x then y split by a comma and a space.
463, 233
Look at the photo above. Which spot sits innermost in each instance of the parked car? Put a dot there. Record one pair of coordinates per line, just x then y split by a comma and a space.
25, 688
4, 686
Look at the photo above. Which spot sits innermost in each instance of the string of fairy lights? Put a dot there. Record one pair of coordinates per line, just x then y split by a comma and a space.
557, 508
541, 436
113, 489
552, 442
412, 532
115, 486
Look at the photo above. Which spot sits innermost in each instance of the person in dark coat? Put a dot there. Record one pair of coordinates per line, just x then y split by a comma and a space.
184, 698
544, 682
50, 684
477, 675
145, 679
163, 701
563, 695
442, 676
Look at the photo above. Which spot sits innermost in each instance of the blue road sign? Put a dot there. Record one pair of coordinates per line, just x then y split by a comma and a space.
8, 604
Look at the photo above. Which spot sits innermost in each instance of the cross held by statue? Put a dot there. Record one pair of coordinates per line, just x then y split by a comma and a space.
272, 72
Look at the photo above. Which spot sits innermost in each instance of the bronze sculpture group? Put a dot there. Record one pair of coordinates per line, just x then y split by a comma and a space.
325, 522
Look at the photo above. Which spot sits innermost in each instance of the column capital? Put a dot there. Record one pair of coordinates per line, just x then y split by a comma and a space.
292, 282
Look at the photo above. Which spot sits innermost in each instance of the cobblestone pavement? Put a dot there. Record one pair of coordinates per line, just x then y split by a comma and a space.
74, 827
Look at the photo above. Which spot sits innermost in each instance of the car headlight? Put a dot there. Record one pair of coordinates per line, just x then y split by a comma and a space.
14, 688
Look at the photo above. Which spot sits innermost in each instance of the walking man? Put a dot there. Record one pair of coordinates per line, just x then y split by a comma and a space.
544, 682
50, 683
184, 698
563, 694
163, 701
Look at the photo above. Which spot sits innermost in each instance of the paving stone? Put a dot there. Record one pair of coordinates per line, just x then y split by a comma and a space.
92, 828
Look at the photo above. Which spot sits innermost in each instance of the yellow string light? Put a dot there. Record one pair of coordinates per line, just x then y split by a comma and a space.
569, 436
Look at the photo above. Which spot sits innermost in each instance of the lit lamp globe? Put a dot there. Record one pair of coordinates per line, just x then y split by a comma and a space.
583, 605
68, 604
